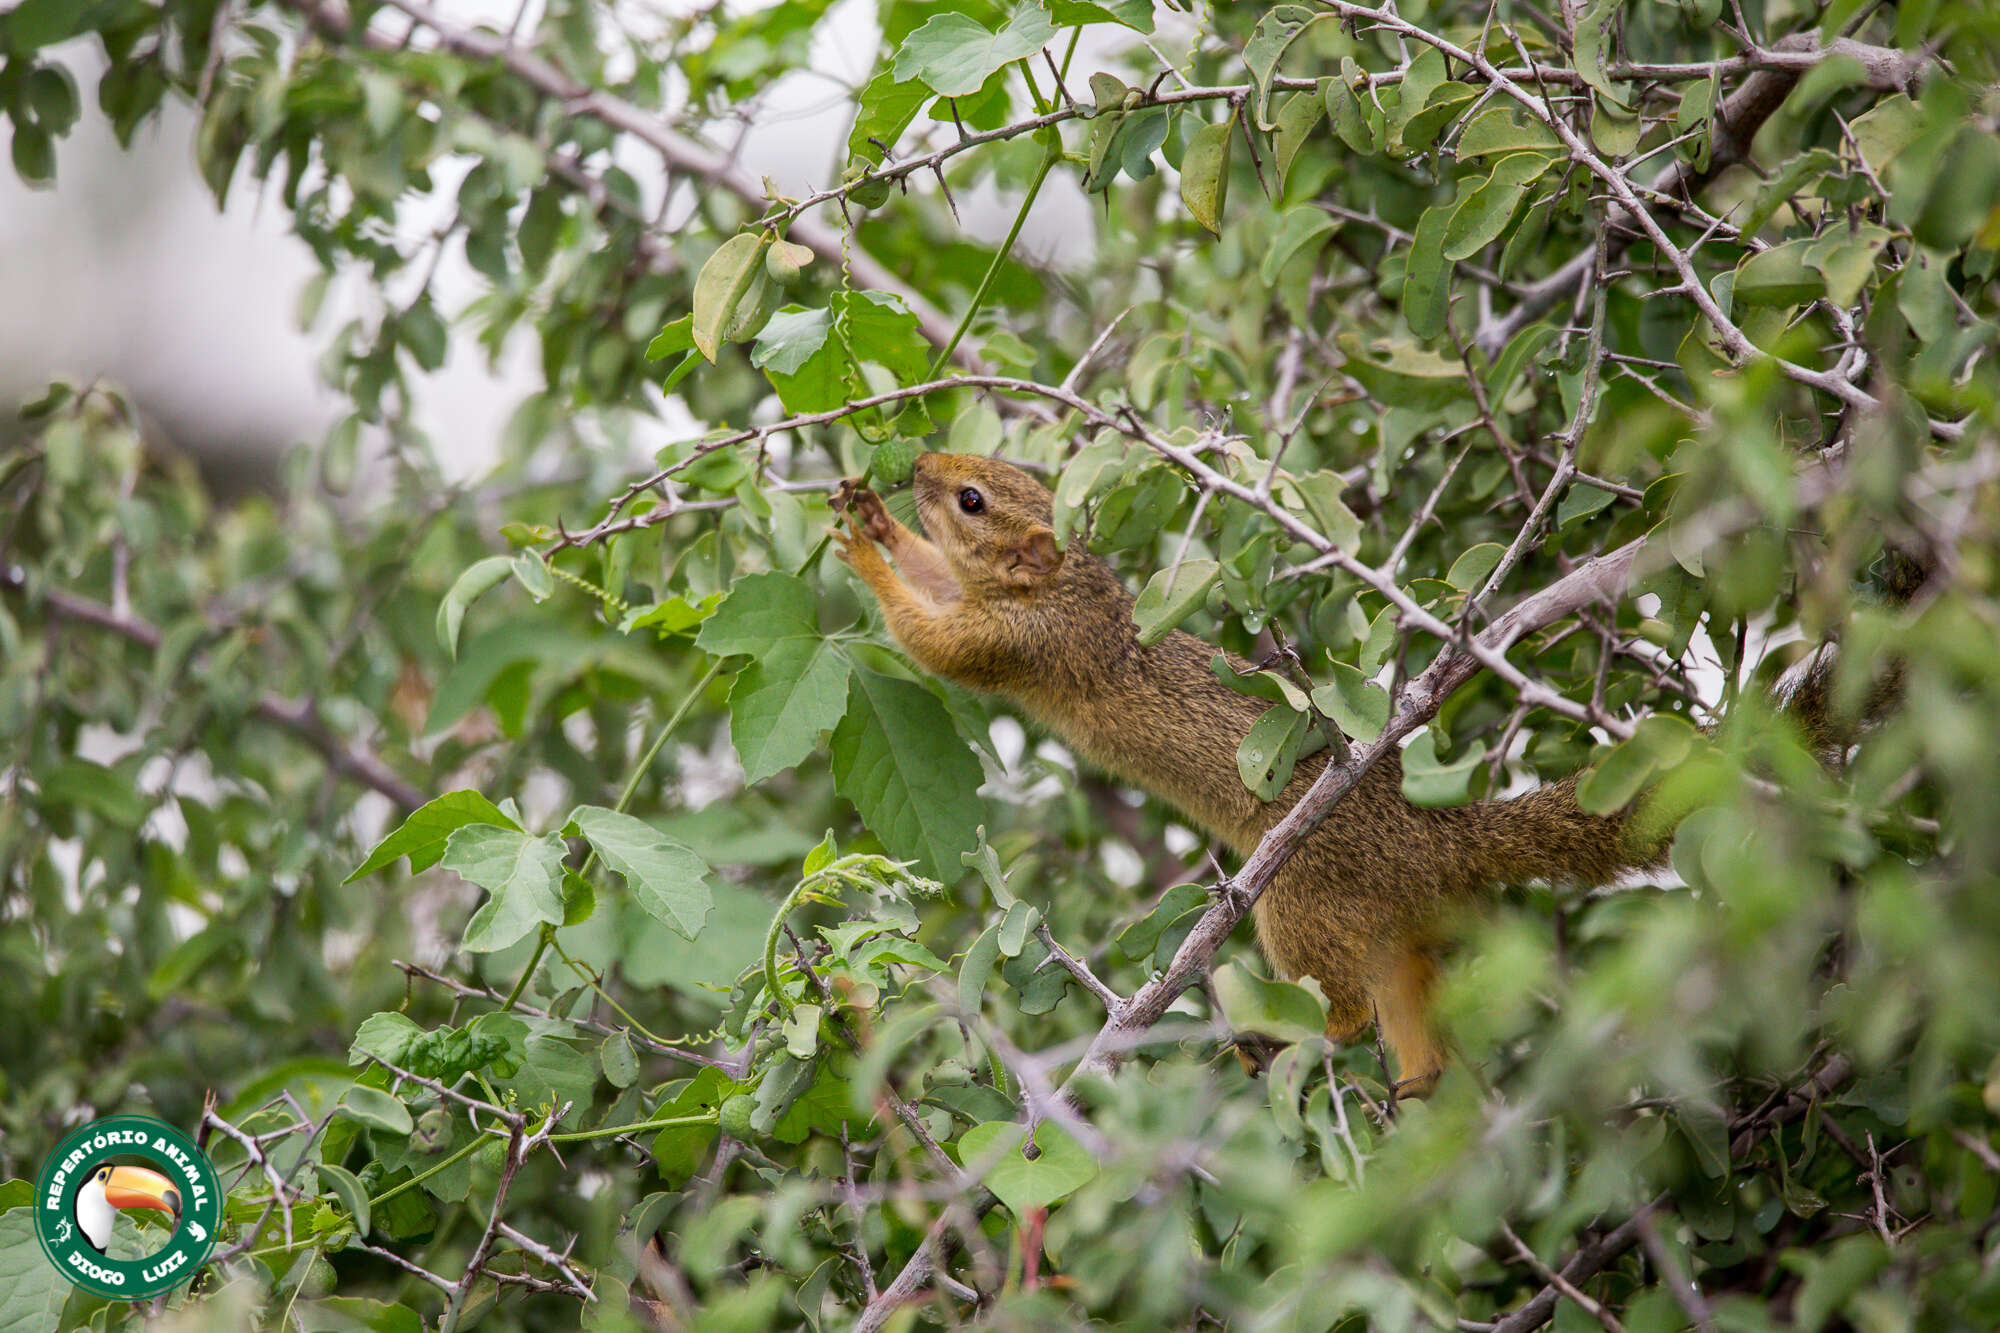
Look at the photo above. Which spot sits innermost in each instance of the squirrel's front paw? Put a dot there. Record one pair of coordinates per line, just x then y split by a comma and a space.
866, 510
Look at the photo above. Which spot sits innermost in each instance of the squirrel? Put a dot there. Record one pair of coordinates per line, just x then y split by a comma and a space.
991, 602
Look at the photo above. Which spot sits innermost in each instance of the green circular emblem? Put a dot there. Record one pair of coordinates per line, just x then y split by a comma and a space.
127, 1163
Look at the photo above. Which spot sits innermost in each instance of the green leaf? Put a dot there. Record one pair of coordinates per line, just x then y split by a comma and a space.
807, 367
1581, 501
1171, 596
1205, 173
1270, 750
1298, 116
884, 110
1405, 375
897, 756
467, 589
421, 837
1061, 1168
1779, 276
784, 701
726, 283
1357, 705
881, 328
1479, 219
1427, 781
1469, 571
620, 1061
664, 874
1658, 743
1281, 1010
32, 1290
1343, 107
348, 1189
954, 56
1297, 229
1501, 129
522, 873
1134, 14
672, 340
760, 610
386, 1036
377, 1110
1442, 107
1427, 282
1276, 30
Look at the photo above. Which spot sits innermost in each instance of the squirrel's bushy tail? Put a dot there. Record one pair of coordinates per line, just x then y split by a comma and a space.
1546, 836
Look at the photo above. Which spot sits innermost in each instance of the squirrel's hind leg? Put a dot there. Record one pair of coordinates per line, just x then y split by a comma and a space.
1403, 1015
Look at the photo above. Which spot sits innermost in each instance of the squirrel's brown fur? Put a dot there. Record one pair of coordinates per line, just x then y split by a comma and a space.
991, 602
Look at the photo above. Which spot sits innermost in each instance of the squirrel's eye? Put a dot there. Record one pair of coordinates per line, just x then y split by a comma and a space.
971, 501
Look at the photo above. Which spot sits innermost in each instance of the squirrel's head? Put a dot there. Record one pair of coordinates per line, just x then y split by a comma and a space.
991, 520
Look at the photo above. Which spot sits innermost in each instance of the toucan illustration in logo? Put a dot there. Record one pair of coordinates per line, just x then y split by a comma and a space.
113, 1187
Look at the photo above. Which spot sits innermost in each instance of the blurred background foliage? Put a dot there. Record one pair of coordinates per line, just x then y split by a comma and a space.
579, 913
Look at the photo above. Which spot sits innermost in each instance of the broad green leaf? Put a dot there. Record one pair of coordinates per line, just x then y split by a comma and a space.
1656, 744
478, 578
897, 756
1061, 1168
377, 1110
386, 1036
1270, 750
522, 874
1581, 501
727, 282
32, 1290
672, 340
1357, 705
884, 110
1298, 116
954, 56
1501, 129
103, 791
1170, 597
1405, 375
1469, 571
348, 1189
1845, 258
1427, 284
1440, 108
1478, 220
783, 700
808, 368
1779, 276
880, 328
421, 837
664, 874
1134, 14
1276, 30
1205, 173
1299, 228
760, 610
1613, 128
1343, 107
1427, 781
1281, 1010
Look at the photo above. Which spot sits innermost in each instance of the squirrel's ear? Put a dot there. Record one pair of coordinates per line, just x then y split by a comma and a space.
1033, 558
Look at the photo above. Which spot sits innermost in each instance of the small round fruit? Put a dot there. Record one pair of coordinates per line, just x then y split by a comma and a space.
733, 1116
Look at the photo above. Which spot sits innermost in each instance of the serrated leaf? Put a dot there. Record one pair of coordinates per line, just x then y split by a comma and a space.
422, 836
1061, 1168
665, 875
522, 874
1170, 597
1205, 173
897, 756
760, 610
954, 55
782, 702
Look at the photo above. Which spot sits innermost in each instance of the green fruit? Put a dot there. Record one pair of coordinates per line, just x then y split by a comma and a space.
432, 1133
318, 1278
864, 193
733, 1117
893, 461
785, 260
